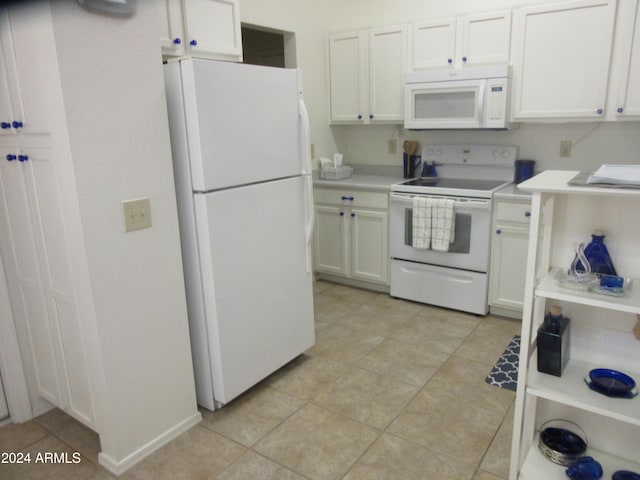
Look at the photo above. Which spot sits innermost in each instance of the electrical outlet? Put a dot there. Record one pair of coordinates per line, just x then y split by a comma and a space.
565, 148
137, 214
392, 147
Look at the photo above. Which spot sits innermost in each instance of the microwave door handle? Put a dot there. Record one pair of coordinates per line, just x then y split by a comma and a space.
481, 114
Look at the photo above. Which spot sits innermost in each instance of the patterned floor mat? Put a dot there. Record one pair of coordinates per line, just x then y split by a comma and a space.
505, 373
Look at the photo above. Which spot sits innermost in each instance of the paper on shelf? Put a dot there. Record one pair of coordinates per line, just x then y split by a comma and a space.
628, 175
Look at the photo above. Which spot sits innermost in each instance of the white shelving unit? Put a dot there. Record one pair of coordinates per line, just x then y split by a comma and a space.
601, 327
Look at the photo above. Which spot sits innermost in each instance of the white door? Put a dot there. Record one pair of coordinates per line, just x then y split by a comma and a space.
212, 28
170, 25
387, 67
348, 77
256, 285
330, 245
244, 123
434, 44
551, 66
369, 249
485, 38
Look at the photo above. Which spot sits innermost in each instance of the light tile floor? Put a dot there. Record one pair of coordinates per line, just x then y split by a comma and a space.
391, 390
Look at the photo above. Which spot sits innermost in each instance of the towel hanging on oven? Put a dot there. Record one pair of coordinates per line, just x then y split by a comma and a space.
421, 219
443, 224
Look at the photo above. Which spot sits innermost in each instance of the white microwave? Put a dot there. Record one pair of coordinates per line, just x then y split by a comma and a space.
467, 98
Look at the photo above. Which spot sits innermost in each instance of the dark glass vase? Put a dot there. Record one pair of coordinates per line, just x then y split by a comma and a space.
598, 256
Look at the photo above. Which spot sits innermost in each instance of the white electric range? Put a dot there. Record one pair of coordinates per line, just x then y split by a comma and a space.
457, 278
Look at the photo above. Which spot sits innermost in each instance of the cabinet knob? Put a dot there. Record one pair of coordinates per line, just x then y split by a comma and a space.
342, 214
527, 214
498, 231
359, 117
23, 158
193, 43
10, 157
464, 59
177, 41
353, 215
5, 125
371, 116
347, 197
449, 60
16, 124
600, 111
620, 110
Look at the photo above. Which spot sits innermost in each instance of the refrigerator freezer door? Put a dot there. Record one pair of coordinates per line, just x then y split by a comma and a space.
257, 293
244, 123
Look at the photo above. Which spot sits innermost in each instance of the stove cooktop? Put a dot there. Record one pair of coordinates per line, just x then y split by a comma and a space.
461, 183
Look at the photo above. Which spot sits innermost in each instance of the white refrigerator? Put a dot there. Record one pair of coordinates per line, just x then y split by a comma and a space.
240, 145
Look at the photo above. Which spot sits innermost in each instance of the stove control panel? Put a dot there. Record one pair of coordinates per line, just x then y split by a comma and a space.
490, 155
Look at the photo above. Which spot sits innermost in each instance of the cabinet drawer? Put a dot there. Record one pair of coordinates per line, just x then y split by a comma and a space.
513, 212
334, 196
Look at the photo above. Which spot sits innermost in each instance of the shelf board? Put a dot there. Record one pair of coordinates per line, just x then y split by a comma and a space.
557, 181
536, 466
548, 288
571, 390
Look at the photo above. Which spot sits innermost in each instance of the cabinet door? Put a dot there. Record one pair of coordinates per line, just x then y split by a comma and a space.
387, 67
348, 78
45, 298
628, 87
508, 266
369, 246
330, 253
561, 57
10, 99
170, 25
484, 38
433, 44
32, 34
20, 252
212, 28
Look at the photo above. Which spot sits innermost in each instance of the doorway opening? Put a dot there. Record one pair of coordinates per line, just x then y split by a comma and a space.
268, 47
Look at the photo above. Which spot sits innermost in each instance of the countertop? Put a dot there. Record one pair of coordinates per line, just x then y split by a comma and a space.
512, 192
359, 181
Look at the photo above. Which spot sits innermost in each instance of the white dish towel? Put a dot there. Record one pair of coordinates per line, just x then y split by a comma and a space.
421, 232
443, 224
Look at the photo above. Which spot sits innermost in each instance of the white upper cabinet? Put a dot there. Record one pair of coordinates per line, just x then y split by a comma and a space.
387, 67
561, 58
201, 28
625, 74
433, 43
366, 70
348, 77
456, 42
24, 105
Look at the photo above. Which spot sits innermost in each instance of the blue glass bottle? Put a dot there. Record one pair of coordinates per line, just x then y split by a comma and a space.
598, 256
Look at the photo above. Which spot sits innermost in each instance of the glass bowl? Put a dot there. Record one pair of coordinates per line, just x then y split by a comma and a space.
562, 441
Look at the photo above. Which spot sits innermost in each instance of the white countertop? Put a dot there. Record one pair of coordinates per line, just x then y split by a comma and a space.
512, 192
556, 181
359, 181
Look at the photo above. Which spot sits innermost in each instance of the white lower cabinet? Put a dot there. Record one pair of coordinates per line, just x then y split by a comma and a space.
601, 327
511, 221
351, 234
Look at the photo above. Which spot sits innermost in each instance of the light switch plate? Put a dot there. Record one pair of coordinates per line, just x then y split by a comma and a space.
137, 214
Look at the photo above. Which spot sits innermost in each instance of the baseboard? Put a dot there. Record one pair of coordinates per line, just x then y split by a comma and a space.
352, 283
505, 312
117, 468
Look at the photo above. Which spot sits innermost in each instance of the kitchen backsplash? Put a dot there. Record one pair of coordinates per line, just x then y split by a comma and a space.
592, 143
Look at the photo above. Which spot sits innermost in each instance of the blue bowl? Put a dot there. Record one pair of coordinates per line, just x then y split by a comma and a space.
625, 475
611, 381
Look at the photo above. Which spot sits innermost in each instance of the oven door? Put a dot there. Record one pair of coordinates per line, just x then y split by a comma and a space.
469, 251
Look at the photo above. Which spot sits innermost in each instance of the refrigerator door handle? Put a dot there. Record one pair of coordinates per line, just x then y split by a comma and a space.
307, 171
311, 219
306, 138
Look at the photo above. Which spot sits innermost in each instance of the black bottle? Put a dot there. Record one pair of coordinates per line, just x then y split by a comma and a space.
553, 343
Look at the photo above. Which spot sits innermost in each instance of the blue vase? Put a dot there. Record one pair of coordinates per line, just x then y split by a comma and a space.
598, 256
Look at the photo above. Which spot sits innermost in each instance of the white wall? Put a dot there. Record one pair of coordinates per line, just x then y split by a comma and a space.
593, 144
114, 100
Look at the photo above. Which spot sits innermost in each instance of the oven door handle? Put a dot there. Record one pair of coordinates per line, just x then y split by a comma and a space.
467, 204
